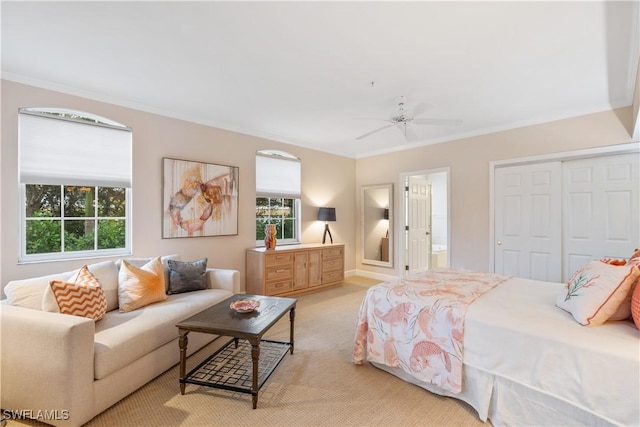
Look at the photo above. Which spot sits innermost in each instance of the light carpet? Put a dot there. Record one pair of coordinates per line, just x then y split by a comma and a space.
318, 385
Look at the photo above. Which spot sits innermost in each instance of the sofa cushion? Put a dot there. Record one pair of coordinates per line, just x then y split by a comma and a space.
122, 338
105, 272
138, 287
28, 293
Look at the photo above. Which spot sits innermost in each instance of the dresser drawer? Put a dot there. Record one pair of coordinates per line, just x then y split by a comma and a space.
332, 253
332, 276
275, 288
332, 264
278, 273
278, 259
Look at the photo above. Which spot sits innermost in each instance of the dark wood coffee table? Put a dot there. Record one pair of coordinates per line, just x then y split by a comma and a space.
221, 320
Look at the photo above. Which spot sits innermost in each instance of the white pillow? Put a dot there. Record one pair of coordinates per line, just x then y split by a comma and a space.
594, 293
28, 293
107, 274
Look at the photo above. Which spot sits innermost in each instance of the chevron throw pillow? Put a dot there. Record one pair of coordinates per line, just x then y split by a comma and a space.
81, 296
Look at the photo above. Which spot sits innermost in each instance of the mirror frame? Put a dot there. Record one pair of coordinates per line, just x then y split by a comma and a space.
364, 223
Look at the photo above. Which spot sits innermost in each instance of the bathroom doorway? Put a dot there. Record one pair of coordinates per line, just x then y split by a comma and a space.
424, 214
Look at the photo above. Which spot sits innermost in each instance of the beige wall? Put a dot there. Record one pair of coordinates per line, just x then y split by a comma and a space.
155, 137
469, 159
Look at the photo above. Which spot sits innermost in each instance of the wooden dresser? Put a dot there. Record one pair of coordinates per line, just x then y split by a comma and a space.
294, 269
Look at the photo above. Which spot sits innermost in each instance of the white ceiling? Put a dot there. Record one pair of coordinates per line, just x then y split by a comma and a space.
301, 72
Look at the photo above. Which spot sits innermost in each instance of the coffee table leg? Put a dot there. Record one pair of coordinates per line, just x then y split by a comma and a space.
182, 342
292, 316
255, 356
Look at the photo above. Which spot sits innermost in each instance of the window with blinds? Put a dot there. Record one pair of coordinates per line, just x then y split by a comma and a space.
75, 185
278, 192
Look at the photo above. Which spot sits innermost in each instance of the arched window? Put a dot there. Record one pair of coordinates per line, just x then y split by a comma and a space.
278, 195
75, 185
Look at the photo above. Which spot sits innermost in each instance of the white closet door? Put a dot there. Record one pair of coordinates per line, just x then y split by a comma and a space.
600, 209
528, 220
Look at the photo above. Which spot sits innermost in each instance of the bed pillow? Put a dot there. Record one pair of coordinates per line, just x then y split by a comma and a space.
140, 286
187, 276
81, 297
624, 310
594, 293
635, 292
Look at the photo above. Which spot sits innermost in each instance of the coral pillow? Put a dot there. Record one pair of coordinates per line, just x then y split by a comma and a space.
595, 292
142, 286
83, 296
635, 306
635, 297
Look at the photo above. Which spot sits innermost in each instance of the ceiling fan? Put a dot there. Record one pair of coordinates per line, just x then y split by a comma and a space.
402, 119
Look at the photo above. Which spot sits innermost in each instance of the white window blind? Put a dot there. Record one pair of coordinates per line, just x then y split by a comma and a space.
64, 152
277, 176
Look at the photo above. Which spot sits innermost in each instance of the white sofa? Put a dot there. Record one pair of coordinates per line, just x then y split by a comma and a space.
64, 370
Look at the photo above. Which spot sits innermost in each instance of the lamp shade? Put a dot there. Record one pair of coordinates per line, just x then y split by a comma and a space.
327, 214
386, 213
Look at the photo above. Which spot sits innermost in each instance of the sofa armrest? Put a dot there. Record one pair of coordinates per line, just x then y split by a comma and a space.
46, 363
220, 278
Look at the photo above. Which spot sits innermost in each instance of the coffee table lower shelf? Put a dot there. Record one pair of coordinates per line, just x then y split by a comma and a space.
231, 367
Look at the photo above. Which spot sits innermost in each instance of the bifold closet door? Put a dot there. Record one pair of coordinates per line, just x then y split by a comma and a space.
527, 208
601, 209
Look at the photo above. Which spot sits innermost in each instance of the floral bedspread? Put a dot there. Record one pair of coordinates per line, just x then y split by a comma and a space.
418, 324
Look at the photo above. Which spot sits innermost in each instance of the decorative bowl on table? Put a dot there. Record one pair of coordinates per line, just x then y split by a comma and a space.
245, 305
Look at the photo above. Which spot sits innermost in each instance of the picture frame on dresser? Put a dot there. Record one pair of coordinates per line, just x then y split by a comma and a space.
199, 199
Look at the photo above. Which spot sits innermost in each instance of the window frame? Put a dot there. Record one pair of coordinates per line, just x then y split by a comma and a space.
297, 204
25, 258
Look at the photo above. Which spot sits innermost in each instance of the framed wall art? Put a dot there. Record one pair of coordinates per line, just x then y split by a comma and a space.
199, 199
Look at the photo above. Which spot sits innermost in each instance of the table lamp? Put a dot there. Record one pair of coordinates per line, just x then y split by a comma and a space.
326, 215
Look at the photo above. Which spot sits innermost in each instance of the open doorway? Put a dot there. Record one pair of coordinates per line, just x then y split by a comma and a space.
424, 214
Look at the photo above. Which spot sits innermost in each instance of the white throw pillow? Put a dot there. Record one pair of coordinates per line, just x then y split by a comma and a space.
28, 293
594, 293
105, 272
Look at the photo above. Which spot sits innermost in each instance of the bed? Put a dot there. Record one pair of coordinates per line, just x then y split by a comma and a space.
523, 360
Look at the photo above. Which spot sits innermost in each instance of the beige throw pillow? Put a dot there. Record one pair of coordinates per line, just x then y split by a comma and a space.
138, 287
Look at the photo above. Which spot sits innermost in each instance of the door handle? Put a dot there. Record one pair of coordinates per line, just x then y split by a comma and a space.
499, 243
427, 233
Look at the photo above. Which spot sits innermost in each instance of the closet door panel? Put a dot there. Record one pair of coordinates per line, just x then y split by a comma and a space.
527, 221
601, 209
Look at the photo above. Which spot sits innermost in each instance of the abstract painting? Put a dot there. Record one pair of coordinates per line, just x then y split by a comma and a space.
199, 199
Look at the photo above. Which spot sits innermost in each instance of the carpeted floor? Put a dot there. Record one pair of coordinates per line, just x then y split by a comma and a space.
316, 386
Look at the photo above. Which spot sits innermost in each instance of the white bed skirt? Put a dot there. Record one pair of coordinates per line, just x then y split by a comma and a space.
507, 403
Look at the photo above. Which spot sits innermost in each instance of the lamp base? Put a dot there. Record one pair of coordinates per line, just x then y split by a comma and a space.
324, 236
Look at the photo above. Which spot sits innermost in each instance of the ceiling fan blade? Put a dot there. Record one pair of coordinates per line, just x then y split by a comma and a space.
374, 131
420, 109
407, 131
441, 122
410, 134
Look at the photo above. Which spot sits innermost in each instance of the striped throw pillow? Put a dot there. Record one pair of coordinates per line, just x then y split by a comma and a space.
81, 296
